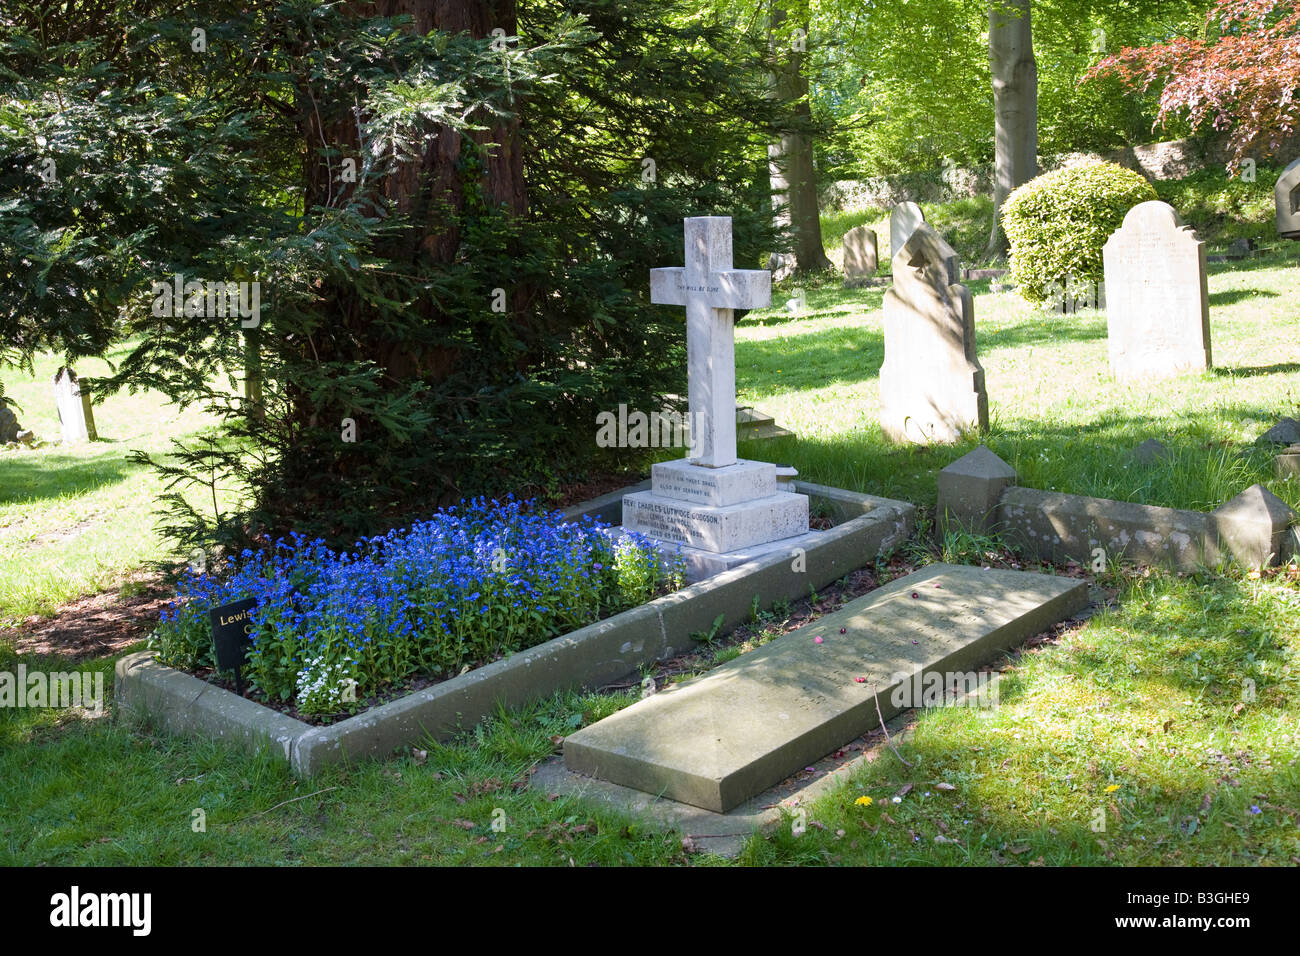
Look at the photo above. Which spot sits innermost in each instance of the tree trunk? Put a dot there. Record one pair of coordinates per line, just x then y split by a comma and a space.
429, 191
790, 161
1015, 107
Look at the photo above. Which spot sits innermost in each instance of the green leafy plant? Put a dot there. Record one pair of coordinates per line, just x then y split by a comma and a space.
1058, 223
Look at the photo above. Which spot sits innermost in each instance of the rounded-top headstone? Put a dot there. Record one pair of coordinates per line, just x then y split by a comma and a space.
1286, 195
903, 221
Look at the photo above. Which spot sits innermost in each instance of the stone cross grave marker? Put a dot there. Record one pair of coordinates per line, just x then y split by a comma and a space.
1157, 297
715, 508
710, 289
74, 408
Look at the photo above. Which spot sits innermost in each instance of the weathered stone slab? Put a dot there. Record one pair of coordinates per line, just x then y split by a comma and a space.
1157, 296
1060, 527
717, 740
685, 481
861, 258
1286, 195
931, 383
718, 529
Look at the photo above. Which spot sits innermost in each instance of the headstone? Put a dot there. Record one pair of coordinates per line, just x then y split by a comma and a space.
1285, 432
1240, 248
712, 502
1158, 301
9, 427
1286, 195
931, 384
73, 404
860, 256
715, 741
1150, 451
904, 219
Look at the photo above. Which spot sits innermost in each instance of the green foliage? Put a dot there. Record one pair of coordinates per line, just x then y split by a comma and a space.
1058, 223
390, 382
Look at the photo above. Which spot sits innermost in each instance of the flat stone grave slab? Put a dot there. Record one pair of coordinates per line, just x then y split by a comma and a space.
715, 741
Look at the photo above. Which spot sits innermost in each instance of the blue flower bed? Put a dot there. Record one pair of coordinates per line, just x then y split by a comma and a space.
470, 585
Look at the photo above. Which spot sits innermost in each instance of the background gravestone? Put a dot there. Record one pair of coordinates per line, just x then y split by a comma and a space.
74, 408
860, 255
9, 427
931, 384
1286, 194
904, 219
1158, 302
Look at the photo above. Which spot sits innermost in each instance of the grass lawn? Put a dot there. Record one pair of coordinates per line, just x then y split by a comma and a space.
1056, 416
79, 519
1161, 731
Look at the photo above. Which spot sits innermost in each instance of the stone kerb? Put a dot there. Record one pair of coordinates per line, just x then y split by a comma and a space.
978, 492
598, 654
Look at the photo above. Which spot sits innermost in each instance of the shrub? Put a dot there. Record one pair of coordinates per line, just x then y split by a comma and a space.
1058, 223
473, 583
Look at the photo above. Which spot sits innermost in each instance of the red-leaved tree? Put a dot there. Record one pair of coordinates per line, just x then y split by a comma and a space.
1242, 76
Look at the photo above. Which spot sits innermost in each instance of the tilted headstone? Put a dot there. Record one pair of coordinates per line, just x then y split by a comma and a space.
860, 255
1286, 194
1157, 298
74, 408
931, 384
903, 221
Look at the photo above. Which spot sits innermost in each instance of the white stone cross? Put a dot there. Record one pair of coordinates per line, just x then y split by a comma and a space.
710, 289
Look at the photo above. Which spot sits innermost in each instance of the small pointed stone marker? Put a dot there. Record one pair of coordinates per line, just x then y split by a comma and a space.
971, 487
1255, 526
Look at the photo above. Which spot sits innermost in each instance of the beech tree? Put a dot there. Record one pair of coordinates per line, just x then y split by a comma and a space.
1240, 75
1015, 107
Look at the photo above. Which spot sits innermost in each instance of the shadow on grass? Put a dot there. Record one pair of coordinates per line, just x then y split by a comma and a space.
1253, 371
29, 476
1233, 296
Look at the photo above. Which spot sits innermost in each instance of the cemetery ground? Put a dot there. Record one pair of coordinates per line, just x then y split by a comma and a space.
1135, 716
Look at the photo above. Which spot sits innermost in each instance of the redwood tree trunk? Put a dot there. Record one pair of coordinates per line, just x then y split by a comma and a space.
1015, 107
791, 171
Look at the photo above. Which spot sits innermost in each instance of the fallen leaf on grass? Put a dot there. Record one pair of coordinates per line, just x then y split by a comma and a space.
904, 790
944, 786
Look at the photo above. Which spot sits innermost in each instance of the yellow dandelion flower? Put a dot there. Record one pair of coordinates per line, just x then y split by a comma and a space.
1112, 788
863, 801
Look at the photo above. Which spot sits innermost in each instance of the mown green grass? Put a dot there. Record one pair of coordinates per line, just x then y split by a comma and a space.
78, 519
1056, 414
1134, 741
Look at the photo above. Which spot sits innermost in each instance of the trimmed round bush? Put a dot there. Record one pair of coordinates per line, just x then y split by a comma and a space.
1058, 223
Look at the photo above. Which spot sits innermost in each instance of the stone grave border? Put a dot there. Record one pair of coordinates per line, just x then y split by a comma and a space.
593, 656
979, 492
